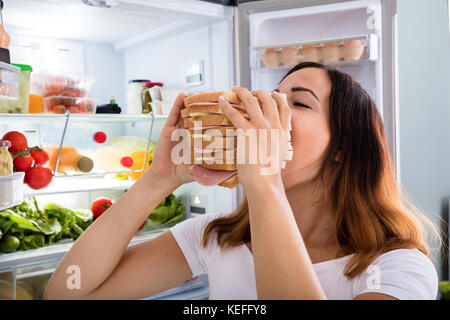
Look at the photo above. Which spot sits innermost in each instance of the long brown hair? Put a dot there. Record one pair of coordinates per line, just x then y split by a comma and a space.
373, 215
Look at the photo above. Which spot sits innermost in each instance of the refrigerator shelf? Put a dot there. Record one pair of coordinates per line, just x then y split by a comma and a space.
339, 64
317, 42
366, 53
103, 117
70, 185
55, 252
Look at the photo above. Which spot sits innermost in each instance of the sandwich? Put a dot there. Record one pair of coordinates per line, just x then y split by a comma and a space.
213, 144
213, 138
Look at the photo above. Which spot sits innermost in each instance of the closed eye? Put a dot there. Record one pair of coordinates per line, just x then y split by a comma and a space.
299, 104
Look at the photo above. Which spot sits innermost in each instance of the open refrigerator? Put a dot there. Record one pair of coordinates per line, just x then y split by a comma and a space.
218, 46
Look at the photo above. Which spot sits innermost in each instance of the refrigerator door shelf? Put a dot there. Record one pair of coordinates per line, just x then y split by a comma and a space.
339, 56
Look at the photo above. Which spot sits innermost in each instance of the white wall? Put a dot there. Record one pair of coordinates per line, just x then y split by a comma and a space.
166, 60
98, 60
424, 87
106, 65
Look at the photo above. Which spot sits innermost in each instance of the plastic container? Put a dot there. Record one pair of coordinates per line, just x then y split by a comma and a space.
61, 104
11, 190
21, 104
48, 84
9, 83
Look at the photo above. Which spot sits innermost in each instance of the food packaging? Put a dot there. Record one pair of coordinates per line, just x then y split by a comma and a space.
289, 56
353, 50
61, 104
157, 108
271, 57
36, 104
48, 84
11, 189
308, 53
330, 52
20, 105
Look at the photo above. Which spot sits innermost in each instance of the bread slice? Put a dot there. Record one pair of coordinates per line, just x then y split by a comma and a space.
231, 182
223, 155
207, 109
219, 166
207, 120
212, 96
214, 142
221, 131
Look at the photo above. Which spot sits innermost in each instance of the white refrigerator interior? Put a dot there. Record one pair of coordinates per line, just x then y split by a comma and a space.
353, 20
185, 44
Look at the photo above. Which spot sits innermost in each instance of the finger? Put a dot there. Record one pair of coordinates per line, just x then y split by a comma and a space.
174, 114
236, 118
269, 106
284, 109
250, 103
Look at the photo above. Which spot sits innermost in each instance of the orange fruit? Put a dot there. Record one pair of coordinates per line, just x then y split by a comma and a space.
138, 162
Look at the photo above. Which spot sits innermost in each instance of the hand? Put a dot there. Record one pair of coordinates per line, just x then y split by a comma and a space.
162, 165
266, 111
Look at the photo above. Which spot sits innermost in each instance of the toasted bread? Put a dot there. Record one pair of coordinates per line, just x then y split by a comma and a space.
221, 131
212, 96
214, 142
210, 108
231, 182
207, 120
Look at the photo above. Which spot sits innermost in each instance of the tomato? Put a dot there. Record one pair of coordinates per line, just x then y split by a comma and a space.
127, 162
74, 109
38, 177
23, 161
18, 141
99, 137
59, 109
39, 155
141, 225
99, 206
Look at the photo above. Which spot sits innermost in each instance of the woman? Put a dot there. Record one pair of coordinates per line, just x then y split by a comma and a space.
330, 225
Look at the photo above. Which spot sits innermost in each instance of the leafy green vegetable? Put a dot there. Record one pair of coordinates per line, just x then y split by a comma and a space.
26, 227
444, 286
169, 210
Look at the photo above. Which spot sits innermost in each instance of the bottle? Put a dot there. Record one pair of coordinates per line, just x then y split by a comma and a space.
6, 161
69, 160
4, 39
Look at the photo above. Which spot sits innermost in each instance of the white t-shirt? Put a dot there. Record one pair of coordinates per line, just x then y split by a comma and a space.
402, 273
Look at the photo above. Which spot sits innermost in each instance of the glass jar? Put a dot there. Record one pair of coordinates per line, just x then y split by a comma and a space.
134, 100
22, 103
145, 95
6, 161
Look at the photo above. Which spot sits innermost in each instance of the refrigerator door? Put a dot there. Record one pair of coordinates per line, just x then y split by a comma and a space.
274, 24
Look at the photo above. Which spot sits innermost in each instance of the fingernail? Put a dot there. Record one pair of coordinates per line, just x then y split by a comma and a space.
221, 99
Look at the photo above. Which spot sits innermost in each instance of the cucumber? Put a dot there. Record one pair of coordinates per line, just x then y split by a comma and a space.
9, 243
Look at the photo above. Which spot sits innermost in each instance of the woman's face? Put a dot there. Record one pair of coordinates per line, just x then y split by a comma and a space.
308, 93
